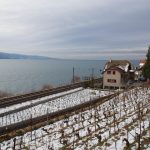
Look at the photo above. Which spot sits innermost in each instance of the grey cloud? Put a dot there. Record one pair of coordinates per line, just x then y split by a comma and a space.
67, 28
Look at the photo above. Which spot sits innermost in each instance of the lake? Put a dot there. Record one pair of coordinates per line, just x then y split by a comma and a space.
22, 76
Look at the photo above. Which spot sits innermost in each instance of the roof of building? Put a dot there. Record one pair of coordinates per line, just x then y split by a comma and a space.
116, 69
121, 64
143, 61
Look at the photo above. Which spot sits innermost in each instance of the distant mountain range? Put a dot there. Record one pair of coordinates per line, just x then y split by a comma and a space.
20, 56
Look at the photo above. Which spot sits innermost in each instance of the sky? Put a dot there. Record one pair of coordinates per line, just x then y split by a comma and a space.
76, 29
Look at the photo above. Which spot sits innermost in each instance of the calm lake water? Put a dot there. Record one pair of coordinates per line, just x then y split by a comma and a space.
22, 76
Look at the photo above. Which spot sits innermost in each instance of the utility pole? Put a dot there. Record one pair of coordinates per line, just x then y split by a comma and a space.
100, 73
92, 78
92, 73
73, 75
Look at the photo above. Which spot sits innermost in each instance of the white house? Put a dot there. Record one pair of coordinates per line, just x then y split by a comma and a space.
117, 73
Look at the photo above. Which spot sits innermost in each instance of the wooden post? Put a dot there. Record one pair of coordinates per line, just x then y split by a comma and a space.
14, 146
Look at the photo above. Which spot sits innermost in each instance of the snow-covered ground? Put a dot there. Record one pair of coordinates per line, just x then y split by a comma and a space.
34, 101
48, 105
124, 121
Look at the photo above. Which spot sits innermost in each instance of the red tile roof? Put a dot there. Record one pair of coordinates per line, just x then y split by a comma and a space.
143, 61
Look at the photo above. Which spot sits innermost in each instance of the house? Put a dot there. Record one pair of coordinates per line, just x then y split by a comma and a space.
142, 63
138, 72
117, 73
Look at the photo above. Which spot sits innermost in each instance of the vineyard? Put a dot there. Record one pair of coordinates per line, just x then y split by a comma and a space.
47, 105
122, 123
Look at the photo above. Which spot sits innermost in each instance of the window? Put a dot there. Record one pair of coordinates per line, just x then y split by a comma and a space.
108, 72
114, 72
111, 80
108, 80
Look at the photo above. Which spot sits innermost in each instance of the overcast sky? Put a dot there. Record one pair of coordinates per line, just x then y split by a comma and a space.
76, 29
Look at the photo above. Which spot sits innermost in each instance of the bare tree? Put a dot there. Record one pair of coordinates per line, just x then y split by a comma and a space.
47, 87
